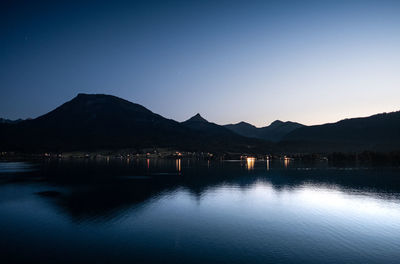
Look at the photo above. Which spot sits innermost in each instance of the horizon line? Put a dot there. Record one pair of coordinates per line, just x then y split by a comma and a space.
232, 123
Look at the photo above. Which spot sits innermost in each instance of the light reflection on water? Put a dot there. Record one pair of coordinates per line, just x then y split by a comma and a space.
178, 165
144, 211
15, 167
250, 163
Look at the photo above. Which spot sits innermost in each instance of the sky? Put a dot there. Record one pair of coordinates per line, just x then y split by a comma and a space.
311, 62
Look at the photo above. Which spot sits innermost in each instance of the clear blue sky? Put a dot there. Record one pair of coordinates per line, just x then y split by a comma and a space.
257, 61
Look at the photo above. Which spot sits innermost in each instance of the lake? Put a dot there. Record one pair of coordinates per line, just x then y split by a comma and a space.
188, 211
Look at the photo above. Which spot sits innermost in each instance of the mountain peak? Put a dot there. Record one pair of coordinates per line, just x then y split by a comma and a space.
197, 118
243, 124
95, 96
287, 125
85, 95
104, 100
277, 122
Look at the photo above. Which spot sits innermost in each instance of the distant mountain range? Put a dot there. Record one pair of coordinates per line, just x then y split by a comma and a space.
8, 121
96, 121
379, 132
100, 122
274, 132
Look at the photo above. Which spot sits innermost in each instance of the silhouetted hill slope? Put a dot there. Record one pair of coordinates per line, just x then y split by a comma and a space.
218, 135
278, 129
198, 123
244, 129
274, 132
97, 121
196, 119
90, 121
379, 132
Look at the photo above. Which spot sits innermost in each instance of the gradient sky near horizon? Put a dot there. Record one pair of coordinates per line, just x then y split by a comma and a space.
307, 61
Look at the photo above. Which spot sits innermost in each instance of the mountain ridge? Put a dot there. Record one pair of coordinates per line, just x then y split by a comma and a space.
273, 132
99, 121
379, 132
196, 118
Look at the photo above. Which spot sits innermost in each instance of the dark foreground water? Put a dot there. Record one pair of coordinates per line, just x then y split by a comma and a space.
167, 211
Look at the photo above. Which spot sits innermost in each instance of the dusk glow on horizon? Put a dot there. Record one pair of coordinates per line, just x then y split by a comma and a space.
310, 62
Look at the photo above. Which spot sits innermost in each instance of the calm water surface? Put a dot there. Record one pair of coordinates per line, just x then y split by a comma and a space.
186, 211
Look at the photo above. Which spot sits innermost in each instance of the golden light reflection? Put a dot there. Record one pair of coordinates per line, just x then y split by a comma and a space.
250, 163
267, 164
178, 165
286, 161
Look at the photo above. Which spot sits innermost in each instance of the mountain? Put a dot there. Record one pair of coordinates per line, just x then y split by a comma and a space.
196, 119
278, 129
274, 132
95, 121
244, 129
8, 121
98, 121
379, 132
105, 122
198, 123
217, 135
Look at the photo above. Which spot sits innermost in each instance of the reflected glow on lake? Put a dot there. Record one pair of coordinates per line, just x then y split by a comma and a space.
165, 211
